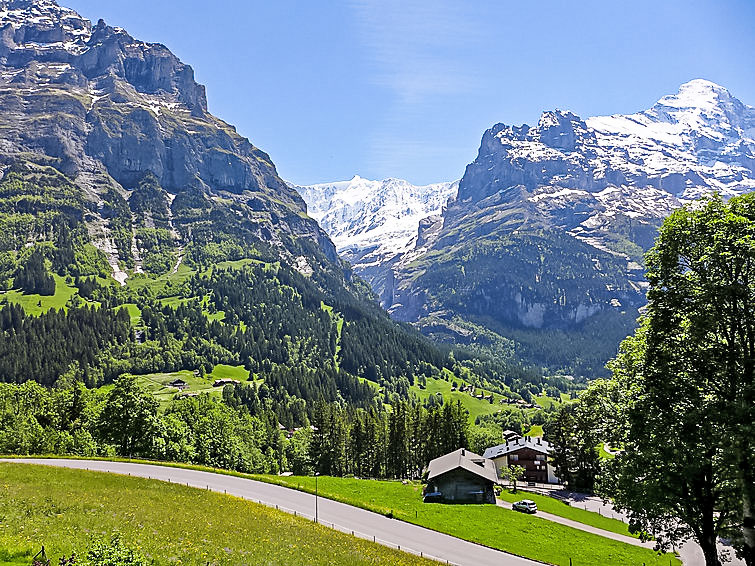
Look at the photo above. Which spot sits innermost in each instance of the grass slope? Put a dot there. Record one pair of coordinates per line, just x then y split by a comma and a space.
525, 535
476, 407
561, 509
222, 371
38, 304
65, 510
535, 430
157, 384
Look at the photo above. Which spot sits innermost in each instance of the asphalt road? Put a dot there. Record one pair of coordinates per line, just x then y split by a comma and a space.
365, 524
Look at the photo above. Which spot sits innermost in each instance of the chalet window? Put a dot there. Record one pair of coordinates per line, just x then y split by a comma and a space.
540, 457
514, 457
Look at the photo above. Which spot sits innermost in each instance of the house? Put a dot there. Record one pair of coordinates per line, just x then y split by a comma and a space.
179, 384
529, 452
223, 382
461, 476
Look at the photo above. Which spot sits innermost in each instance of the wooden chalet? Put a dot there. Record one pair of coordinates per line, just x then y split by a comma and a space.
462, 477
529, 452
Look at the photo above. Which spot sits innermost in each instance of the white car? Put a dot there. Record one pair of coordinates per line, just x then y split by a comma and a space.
525, 506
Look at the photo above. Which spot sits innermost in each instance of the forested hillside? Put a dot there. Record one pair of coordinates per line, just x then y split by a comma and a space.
141, 237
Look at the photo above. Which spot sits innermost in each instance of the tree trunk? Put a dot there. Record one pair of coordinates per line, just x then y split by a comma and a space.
708, 538
710, 552
748, 506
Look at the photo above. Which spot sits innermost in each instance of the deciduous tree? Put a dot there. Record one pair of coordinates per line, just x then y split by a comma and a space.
687, 384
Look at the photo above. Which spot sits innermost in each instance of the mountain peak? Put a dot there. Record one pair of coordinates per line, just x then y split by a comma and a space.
42, 25
34, 12
698, 93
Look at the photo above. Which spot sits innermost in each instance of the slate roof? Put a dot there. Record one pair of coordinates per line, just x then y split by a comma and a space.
463, 459
533, 443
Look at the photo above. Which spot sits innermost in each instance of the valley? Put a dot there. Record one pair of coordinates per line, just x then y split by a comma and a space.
573, 315
542, 241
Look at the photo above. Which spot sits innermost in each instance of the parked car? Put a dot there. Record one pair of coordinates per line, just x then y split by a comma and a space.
525, 506
432, 497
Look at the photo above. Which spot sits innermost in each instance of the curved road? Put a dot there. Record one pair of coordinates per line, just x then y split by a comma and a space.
364, 524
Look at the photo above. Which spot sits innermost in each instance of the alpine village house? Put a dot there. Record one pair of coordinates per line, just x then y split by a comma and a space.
530, 452
462, 477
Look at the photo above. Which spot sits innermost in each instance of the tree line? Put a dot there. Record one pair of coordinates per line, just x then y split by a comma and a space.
239, 432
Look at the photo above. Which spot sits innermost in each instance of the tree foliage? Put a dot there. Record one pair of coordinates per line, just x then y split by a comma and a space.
685, 384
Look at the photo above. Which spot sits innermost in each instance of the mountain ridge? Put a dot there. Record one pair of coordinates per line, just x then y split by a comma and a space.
582, 197
375, 223
107, 110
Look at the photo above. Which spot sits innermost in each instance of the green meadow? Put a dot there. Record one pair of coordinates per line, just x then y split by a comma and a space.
68, 510
525, 535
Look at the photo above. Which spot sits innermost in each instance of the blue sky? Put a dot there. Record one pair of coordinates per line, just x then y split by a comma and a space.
388, 88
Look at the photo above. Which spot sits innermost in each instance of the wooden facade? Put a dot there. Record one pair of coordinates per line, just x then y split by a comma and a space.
462, 486
535, 464
530, 453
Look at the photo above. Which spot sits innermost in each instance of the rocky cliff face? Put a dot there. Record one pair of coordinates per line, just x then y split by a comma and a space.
107, 110
584, 176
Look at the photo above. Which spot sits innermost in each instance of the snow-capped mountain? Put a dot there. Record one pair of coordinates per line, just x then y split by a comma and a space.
372, 223
581, 174
550, 223
362, 215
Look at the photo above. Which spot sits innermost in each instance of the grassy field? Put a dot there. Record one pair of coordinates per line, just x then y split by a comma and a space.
159, 283
222, 371
157, 384
65, 510
525, 535
476, 407
38, 304
556, 507
547, 402
134, 312
535, 430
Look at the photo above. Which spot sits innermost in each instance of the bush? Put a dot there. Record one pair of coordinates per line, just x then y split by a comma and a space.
113, 553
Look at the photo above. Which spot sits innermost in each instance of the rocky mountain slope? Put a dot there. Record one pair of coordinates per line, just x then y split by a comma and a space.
139, 233
543, 243
156, 177
374, 223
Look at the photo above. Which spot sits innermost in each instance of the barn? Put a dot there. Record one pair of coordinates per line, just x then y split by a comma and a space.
461, 477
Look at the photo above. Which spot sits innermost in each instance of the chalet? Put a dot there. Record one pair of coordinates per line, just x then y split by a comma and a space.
224, 381
179, 384
461, 476
529, 452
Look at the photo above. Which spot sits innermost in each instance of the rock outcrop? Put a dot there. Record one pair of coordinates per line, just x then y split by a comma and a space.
107, 110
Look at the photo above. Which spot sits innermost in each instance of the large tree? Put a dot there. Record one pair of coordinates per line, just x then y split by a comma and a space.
129, 418
574, 432
685, 384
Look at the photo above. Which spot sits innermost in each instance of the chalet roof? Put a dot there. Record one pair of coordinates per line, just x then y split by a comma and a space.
465, 460
532, 442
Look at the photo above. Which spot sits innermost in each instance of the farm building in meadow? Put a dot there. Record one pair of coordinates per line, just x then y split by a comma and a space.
179, 384
529, 452
462, 477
